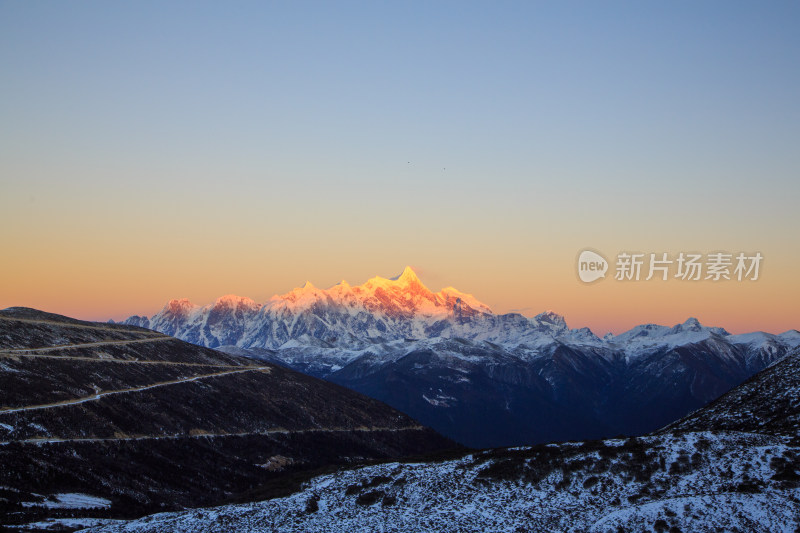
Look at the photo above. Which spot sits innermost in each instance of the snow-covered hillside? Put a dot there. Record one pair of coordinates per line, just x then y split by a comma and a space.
693, 482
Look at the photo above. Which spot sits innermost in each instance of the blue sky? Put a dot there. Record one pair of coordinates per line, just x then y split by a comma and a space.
509, 87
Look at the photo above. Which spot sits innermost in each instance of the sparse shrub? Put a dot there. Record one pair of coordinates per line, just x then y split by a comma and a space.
702, 444
785, 469
388, 500
505, 469
377, 480
681, 465
575, 465
591, 481
312, 505
594, 445
660, 526
748, 487
371, 497
645, 470
607, 452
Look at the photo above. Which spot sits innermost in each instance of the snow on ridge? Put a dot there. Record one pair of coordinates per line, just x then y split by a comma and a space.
384, 310
71, 500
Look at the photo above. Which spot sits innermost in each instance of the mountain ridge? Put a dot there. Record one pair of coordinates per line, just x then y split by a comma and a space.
383, 310
448, 361
387, 309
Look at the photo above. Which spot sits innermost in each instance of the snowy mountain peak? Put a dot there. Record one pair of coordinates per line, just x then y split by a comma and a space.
299, 296
551, 322
648, 337
549, 317
407, 276
790, 334
234, 301
691, 324
178, 306
452, 294
406, 280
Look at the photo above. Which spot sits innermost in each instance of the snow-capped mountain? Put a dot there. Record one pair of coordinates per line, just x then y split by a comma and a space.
385, 310
346, 316
482, 378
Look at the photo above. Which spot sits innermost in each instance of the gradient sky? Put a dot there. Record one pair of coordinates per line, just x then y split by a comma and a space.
151, 150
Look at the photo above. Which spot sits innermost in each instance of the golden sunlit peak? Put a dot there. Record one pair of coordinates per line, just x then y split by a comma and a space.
179, 305
233, 299
308, 286
407, 276
407, 279
469, 299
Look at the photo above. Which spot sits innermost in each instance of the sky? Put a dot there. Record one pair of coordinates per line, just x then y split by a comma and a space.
155, 150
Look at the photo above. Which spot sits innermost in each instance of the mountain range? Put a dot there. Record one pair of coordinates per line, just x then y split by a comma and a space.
481, 378
354, 317
731, 466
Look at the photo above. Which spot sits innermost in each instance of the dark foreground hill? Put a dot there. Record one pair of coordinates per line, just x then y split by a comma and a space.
113, 420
